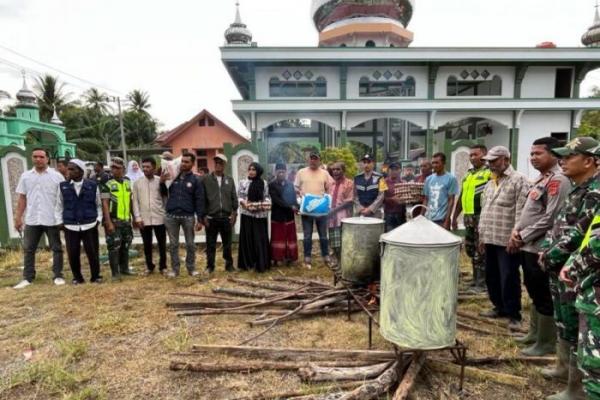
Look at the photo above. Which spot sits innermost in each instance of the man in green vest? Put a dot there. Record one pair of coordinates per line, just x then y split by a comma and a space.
473, 185
116, 208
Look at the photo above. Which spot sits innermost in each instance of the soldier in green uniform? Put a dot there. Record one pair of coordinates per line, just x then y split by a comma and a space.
116, 207
579, 164
582, 272
473, 185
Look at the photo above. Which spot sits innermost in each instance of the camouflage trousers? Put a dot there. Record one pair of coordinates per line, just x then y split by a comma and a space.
588, 354
565, 313
118, 244
472, 249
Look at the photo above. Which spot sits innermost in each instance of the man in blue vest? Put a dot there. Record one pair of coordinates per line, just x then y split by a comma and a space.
79, 211
370, 188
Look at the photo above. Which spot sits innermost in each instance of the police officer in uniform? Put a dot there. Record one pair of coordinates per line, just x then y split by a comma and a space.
369, 190
473, 185
116, 207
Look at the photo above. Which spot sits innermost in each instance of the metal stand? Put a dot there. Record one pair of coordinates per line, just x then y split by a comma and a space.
458, 351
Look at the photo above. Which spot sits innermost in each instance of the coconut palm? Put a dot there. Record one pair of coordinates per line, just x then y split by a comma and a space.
51, 95
139, 101
97, 101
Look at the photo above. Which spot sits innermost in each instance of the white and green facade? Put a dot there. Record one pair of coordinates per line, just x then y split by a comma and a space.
407, 103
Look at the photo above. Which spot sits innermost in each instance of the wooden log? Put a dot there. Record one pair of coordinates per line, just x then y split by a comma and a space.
508, 360
193, 313
478, 330
258, 366
410, 376
305, 313
477, 374
302, 281
316, 373
231, 305
241, 293
488, 321
375, 388
302, 393
296, 354
262, 285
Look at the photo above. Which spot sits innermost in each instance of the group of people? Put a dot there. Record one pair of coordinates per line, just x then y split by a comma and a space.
549, 227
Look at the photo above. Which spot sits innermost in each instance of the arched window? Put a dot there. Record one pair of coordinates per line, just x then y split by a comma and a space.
370, 43
316, 88
405, 88
489, 87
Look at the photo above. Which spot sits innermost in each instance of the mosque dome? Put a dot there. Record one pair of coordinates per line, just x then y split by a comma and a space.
592, 37
238, 33
25, 97
357, 22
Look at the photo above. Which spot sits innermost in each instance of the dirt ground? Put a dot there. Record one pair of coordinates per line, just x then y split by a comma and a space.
115, 340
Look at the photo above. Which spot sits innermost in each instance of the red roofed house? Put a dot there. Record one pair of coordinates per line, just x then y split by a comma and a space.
203, 136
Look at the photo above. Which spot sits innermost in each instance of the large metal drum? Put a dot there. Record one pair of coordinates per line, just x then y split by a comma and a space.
419, 285
360, 249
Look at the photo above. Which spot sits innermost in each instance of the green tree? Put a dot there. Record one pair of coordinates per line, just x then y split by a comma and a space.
51, 94
345, 154
97, 101
140, 128
590, 123
139, 101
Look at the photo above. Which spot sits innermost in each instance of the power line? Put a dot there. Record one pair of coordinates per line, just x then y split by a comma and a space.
59, 70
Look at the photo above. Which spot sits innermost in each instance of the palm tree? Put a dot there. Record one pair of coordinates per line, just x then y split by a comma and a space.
139, 101
51, 95
97, 101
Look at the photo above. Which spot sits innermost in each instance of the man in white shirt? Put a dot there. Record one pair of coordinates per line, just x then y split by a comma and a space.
38, 191
79, 211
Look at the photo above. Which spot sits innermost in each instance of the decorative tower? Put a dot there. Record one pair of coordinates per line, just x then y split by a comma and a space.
363, 23
238, 33
55, 119
592, 37
27, 107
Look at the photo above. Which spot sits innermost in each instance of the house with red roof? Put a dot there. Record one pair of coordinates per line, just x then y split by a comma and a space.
204, 136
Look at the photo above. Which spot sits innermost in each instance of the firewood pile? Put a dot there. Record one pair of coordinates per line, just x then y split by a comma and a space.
278, 300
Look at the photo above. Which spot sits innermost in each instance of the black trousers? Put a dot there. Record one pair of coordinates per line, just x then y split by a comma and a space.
216, 227
537, 283
91, 245
31, 239
161, 240
503, 280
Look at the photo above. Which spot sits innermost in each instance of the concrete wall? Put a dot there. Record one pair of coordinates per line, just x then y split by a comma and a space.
535, 125
506, 73
539, 83
264, 74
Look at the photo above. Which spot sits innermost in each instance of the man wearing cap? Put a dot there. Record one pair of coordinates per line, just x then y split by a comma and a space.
394, 209
184, 211
503, 200
547, 195
100, 175
369, 190
578, 161
284, 242
342, 199
316, 181
220, 213
440, 192
79, 211
37, 191
149, 213
117, 211
473, 185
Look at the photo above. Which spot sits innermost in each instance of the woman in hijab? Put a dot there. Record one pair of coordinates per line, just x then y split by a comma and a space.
133, 171
255, 205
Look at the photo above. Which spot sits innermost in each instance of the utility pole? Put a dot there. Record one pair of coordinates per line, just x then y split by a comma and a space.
123, 145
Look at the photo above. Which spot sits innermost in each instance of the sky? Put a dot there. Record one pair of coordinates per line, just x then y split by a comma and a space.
171, 48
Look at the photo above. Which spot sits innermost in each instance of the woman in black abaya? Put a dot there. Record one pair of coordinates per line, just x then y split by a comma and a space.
255, 204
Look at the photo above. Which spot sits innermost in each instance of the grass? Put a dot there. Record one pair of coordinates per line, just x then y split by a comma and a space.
115, 341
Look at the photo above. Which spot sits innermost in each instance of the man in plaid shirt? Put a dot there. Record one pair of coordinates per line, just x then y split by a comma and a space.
502, 201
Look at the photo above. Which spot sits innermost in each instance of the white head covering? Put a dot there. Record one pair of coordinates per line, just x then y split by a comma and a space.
80, 164
131, 174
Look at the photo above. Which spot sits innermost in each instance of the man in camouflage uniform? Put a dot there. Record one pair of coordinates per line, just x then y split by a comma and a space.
579, 164
473, 185
116, 208
582, 272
